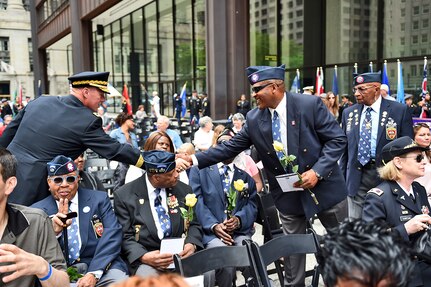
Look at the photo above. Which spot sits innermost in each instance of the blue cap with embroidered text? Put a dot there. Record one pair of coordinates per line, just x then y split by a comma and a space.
158, 161
257, 74
60, 165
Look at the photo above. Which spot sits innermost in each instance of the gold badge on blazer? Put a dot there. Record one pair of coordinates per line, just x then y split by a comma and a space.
391, 129
97, 226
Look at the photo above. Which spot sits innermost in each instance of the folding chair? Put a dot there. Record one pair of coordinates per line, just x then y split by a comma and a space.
94, 164
283, 246
216, 258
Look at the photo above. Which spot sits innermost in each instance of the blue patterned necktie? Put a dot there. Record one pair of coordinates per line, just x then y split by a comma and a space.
364, 148
165, 221
276, 135
72, 239
224, 175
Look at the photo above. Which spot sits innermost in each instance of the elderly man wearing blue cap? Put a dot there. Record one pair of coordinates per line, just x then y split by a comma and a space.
94, 236
299, 125
369, 125
68, 125
148, 208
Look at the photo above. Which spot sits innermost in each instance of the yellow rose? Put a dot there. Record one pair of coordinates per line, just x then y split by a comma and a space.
191, 199
239, 184
278, 146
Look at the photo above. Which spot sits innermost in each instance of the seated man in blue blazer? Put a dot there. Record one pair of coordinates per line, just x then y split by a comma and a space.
223, 226
94, 236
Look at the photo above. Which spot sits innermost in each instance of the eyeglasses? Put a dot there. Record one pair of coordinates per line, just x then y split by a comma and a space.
419, 158
259, 88
58, 180
361, 90
422, 125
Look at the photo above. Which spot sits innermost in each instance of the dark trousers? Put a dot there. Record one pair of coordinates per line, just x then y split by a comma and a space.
294, 266
369, 180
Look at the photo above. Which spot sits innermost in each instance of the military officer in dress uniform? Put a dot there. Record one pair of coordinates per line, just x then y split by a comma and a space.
369, 125
399, 200
68, 125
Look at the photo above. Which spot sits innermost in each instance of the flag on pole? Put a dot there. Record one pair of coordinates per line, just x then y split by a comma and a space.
296, 85
183, 97
371, 67
319, 81
126, 97
385, 79
335, 82
425, 80
39, 88
19, 100
400, 87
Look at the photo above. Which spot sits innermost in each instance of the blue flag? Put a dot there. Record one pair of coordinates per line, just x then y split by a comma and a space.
385, 79
335, 82
400, 88
183, 97
296, 87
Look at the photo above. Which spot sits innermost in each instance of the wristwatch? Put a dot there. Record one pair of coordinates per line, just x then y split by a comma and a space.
319, 177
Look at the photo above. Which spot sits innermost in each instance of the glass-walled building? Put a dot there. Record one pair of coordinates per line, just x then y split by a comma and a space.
154, 48
160, 45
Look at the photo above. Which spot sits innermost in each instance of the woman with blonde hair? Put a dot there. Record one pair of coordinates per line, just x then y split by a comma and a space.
399, 201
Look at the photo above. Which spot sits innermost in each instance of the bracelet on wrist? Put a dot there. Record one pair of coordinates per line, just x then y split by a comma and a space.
48, 275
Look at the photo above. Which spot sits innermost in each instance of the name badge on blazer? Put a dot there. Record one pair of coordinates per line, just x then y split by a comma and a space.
405, 218
97, 226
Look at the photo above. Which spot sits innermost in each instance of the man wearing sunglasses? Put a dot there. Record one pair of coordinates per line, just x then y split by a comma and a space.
93, 242
369, 125
49, 126
304, 126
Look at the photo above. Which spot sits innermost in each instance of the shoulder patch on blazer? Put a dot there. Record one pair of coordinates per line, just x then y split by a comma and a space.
376, 191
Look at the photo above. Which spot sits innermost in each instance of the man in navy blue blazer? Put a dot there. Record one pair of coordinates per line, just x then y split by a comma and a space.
308, 131
211, 186
387, 120
98, 233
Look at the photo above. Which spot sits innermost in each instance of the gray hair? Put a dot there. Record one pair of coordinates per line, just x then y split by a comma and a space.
204, 121
239, 117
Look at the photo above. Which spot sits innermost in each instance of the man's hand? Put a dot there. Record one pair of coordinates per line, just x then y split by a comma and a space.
57, 223
20, 263
185, 157
157, 260
89, 280
188, 250
221, 232
181, 164
309, 180
232, 224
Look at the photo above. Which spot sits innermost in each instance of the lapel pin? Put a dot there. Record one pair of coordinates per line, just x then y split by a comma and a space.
141, 201
86, 209
293, 123
402, 197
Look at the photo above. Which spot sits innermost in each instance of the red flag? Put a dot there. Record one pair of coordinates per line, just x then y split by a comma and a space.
319, 81
19, 101
126, 97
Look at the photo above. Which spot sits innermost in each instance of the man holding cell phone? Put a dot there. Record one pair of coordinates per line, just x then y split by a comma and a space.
92, 240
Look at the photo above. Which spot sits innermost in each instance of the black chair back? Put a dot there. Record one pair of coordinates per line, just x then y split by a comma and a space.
216, 258
282, 246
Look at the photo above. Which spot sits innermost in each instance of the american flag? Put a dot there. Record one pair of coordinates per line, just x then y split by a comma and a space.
424, 81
